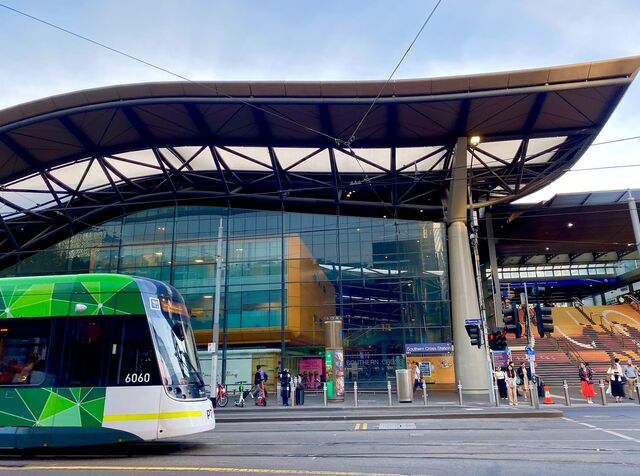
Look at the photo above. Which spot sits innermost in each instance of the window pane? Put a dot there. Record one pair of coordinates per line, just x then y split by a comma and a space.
133, 359
86, 356
24, 345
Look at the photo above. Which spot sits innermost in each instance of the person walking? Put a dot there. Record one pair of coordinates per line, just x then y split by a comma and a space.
501, 382
614, 375
630, 372
586, 382
285, 386
524, 377
512, 391
417, 378
260, 396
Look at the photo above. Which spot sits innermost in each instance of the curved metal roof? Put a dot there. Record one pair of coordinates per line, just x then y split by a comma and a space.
68, 161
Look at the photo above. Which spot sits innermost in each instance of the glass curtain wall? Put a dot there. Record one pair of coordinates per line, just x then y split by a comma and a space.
284, 273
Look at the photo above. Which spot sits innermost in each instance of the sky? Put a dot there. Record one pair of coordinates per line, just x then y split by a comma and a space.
328, 40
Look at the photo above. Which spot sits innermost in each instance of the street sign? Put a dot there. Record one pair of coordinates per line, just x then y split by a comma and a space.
211, 348
531, 354
473, 322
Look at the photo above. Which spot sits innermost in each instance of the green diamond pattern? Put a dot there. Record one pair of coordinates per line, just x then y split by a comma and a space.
47, 407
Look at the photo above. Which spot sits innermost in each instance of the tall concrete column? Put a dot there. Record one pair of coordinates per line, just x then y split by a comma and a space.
469, 361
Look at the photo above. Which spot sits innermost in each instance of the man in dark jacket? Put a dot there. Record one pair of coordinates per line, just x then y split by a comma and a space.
285, 386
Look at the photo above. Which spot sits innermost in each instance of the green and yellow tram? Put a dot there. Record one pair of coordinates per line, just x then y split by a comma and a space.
96, 359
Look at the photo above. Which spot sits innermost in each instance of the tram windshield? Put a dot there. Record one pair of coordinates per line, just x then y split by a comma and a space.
179, 365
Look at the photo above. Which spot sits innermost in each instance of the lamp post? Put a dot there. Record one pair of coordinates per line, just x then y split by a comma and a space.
216, 317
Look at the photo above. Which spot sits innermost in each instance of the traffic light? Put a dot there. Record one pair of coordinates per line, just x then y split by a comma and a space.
498, 340
475, 334
544, 320
511, 321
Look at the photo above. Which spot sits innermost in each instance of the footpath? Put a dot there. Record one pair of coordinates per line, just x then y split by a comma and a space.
375, 406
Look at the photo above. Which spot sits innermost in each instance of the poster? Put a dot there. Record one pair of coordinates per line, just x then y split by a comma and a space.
338, 367
311, 371
435, 369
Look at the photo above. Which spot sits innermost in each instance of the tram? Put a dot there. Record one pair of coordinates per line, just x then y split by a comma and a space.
96, 359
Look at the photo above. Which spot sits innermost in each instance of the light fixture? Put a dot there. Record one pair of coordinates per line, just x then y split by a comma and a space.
357, 229
546, 248
569, 225
474, 140
239, 250
208, 296
158, 253
198, 260
421, 211
161, 228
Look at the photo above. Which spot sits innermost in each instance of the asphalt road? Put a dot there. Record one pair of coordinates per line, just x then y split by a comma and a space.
589, 440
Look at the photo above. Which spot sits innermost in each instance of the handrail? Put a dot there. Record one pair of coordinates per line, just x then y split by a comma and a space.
570, 350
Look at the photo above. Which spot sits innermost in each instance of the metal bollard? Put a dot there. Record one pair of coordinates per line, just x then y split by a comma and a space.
278, 392
424, 393
496, 391
389, 392
460, 393
324, 393
355, 394
638, 391
292, 394
533, 394
567, 400
603, 394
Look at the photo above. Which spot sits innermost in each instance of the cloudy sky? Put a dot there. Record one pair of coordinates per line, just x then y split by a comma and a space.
326, 40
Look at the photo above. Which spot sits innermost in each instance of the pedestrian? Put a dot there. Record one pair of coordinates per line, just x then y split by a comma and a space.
586, 382
614, 375
524, 377
501, 382
285, 386
512, 391
631, 374
417, 378
259, 394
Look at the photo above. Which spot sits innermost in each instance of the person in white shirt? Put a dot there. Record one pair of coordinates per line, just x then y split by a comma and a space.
631, 374
614, 374
417, 378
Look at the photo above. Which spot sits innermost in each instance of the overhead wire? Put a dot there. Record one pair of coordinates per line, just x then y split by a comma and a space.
172, 73
353, 136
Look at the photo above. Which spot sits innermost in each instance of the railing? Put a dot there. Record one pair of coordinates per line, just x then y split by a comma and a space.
633, 302
568, 348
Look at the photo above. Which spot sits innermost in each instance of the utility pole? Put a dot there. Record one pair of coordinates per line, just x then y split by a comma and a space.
483, 311
531, 343
216, 317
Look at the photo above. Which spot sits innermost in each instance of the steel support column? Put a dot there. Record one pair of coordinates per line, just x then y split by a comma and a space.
493, 262
469, 361
633, 211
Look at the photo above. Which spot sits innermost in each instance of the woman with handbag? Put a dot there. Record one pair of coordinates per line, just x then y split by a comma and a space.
511, 377
614, 374
586, 382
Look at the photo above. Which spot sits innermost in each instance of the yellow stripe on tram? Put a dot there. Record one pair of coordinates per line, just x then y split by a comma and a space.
152, 416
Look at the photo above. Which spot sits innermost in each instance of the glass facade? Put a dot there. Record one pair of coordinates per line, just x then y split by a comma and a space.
283, 274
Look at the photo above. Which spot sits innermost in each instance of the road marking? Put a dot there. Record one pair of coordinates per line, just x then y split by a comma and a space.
593, 427
196, 468
357, 426
362, 426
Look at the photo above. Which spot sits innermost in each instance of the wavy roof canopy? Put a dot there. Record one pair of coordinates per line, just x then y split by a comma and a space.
68, 161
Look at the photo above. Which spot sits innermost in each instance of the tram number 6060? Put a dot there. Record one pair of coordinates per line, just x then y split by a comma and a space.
137, 378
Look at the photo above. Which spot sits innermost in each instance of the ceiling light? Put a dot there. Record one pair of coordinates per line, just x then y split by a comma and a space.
208, 296
569, 225
198, 260
158, 253
546, 248
474, 140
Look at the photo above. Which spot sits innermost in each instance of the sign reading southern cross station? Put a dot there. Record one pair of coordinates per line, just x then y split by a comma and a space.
433, 348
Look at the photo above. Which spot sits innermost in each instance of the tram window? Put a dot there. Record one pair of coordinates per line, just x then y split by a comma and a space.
86, 341
24, 346
132, 355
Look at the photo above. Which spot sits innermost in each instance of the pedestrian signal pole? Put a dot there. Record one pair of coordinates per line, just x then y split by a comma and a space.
531, 343
216, 317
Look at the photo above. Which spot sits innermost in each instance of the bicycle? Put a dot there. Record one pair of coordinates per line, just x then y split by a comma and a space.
222, 397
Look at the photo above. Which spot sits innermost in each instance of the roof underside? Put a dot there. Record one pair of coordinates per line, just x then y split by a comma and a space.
70, 161
570, 228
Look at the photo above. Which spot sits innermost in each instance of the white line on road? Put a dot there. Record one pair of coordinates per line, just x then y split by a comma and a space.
593, 427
